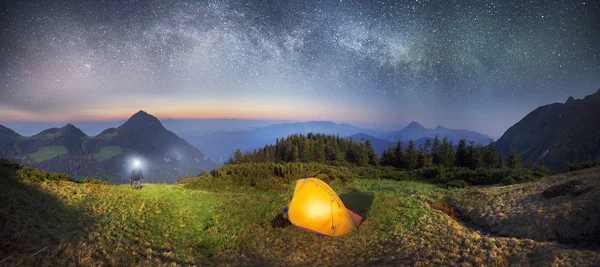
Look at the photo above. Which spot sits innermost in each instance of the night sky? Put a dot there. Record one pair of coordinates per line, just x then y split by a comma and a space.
479, 65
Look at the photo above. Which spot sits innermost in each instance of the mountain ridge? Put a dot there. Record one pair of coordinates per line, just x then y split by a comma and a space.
107, 155
557, 133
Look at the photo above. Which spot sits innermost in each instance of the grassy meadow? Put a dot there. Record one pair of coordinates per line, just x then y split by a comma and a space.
45, 220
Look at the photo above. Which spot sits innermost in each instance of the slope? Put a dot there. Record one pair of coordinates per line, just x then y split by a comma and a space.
70, 223
561, 208
108, 154
558, 133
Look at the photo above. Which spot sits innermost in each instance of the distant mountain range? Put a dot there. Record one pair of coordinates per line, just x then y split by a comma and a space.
416, 131
181, 127
220, 146
108, 155
558, 133
380, 145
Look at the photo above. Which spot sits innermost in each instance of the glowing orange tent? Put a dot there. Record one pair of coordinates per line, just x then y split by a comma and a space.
317, 208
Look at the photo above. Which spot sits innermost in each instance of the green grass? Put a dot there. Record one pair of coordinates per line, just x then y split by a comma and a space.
108, 152
66, 223
48, 152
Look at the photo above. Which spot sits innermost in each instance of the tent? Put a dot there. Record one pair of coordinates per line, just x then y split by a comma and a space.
316, 208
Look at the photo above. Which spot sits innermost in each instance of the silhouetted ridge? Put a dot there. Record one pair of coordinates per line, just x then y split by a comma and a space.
71, 130
414, 125
143, 121
7, 132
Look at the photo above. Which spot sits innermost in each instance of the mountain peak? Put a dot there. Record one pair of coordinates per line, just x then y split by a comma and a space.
570, 100
144, 122
440, 127
414, 125
70, 129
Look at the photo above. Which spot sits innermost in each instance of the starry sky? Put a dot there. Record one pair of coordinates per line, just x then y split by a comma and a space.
479, 65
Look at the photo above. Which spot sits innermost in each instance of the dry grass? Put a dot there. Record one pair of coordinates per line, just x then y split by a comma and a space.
563, 208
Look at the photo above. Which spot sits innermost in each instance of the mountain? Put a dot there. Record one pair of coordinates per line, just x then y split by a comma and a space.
28, 128
416, 131
558, 133
7, 140
220, 145
108, 155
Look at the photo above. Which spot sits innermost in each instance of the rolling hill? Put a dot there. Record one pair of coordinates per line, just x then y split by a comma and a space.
558, 133
108, 155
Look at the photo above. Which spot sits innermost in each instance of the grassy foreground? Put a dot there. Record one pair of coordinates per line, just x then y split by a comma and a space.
66, 223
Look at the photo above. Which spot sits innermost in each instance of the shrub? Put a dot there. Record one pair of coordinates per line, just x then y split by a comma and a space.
572, 186
509, 181
581, 165
457, 184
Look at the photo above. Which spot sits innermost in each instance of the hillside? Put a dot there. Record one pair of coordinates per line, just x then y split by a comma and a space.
70, 223
416, 131
108, 154
561, 208
558, 133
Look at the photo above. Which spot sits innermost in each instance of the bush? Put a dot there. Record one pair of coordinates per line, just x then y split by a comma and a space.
509, 181
457, 184
571, 167
572, 186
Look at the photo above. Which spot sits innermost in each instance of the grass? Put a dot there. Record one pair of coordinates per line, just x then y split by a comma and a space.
56, 222
107, 153
48, 152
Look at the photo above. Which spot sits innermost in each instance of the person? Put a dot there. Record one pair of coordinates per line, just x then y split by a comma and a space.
136, 177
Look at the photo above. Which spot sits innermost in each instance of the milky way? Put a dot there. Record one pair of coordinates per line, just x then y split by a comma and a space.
480, 65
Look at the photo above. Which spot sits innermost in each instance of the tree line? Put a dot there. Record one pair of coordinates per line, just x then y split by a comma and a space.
334, 150
318, 148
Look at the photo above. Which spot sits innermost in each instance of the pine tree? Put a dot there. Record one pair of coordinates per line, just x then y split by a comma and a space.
501, 162
388, 158
411, 156
436, 151
373, 157
462, 155
448, 156
319, 151
399, 155
475, 157
424, 156
514, 162
490, 158
238, 157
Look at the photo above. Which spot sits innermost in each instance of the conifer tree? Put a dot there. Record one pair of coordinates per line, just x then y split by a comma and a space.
399, 155
448, 156
238, 157
436, 151
514, 161
373, 157
462, 155
388, 158
490, 157
411, 156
